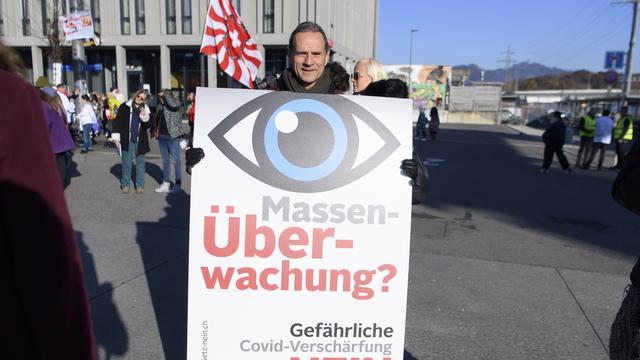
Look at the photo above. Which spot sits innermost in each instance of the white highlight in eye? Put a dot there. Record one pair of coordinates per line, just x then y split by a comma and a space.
241, 134
286, 121
369, 142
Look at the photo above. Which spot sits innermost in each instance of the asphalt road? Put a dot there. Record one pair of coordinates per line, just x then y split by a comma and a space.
506, 263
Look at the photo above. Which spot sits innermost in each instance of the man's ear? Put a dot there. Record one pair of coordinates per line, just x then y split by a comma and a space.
326, 59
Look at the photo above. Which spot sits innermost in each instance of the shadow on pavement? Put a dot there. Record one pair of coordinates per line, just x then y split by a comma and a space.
109, 330
72, 171
408, 356
164, 249
482, 172
151, 169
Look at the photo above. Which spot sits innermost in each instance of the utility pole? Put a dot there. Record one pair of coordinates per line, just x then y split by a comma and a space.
507, 66
410, 56
632, 44
79, 57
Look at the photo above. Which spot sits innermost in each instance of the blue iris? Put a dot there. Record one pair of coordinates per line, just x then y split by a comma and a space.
307, 173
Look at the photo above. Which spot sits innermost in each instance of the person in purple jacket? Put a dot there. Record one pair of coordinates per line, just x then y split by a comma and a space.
54, 117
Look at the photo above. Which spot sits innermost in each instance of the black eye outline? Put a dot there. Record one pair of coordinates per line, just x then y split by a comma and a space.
266, 172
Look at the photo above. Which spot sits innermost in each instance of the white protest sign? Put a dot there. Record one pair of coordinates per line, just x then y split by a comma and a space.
77, 25
300, 226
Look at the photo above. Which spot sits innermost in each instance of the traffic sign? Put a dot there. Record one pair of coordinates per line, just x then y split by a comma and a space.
614, 60
611, 76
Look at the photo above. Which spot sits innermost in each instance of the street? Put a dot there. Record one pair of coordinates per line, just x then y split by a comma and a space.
506, 262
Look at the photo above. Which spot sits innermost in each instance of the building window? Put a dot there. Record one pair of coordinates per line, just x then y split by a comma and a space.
140, 30
46, 19
95, 13
125, 18
186, 16
26, 22
171, 16
1, 21
267, 16
275, 61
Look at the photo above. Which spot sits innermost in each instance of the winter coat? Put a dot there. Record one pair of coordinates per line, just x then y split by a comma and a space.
121, 126
554, 135
172, 115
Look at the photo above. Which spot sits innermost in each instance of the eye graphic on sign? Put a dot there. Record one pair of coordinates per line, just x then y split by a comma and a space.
304, 142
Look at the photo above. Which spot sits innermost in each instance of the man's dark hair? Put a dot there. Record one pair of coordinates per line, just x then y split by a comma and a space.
339, 76
606, 112
307, 26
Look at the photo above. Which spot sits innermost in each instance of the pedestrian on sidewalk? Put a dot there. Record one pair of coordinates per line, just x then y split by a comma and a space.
554, 138
421, 126
86, 118
169, 134
130, 132
625, 330
434, 123
61, 141
602, 139
622, 133
587, 130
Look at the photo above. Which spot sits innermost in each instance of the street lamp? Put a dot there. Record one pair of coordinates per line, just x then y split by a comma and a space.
410, 55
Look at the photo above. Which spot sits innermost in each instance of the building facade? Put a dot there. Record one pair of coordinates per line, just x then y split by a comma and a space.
155, 43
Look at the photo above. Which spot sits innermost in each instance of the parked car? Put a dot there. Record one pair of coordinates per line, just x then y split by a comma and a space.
506, 117
542, 122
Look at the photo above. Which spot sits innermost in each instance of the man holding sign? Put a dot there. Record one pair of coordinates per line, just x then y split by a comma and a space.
295, 252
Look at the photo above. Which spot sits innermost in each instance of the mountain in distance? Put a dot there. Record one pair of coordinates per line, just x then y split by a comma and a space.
523, 70
534, 76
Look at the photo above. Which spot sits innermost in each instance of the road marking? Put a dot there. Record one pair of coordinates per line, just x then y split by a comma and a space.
433, 161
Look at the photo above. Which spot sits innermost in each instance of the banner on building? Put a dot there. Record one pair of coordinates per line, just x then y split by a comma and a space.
300, 226
77, 25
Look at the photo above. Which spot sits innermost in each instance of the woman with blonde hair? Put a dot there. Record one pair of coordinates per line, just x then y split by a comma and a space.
365, 72
130, 129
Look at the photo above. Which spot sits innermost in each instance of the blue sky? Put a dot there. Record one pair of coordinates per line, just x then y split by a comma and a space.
569, 34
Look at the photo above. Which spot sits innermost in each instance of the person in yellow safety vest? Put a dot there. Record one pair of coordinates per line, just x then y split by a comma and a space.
587, 128
622, 133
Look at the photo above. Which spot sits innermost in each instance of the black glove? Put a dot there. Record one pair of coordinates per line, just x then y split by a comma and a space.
409, 168
414, 169
193, 156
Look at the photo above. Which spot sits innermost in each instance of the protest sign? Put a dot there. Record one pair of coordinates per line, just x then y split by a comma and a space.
300, 226
77, 25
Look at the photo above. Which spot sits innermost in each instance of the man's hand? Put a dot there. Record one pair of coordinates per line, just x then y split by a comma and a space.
419, 176
409, 168
193, 156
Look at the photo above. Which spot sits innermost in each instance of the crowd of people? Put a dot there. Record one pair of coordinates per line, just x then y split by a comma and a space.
597, 131
80, 119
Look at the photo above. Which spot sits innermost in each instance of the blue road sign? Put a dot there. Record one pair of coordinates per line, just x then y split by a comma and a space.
614, 60
93, 67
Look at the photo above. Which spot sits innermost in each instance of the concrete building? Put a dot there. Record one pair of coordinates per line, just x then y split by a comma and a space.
157, 42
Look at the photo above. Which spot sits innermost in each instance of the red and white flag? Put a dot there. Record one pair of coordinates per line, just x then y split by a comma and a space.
226, 38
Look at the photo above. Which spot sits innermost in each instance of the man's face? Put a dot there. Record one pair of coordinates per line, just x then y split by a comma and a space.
309, 58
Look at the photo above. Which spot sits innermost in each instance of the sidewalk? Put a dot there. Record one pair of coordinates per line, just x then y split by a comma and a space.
134, 250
